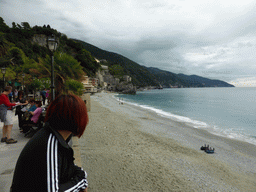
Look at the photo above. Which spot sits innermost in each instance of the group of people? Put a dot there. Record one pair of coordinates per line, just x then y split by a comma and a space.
13, 95
46, 163
30, 117
20, 104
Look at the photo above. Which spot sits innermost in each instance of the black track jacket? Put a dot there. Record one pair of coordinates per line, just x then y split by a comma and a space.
47, 164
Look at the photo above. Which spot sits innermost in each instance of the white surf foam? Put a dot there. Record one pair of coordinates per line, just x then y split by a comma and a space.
160, 112
229, 133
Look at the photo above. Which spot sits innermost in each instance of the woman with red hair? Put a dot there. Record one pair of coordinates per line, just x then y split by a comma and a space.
46, 163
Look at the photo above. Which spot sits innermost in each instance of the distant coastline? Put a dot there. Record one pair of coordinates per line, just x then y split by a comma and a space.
143, 76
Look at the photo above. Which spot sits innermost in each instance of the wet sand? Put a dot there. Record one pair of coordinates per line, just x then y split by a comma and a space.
126, 148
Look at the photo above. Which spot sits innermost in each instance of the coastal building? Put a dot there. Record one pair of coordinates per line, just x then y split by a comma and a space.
98, 61
90, 89
94, 81
127, 78
106, 81
100, 75
117, 81
103, 61
88, 86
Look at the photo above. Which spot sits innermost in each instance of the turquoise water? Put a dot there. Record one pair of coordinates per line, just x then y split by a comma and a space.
228, 112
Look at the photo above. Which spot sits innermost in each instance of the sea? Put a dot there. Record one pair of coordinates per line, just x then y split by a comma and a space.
227, 112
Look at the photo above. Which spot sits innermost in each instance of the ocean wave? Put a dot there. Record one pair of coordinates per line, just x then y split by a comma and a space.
213, 129
233, 134
160, 112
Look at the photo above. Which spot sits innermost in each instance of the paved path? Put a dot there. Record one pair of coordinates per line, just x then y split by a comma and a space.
9, 154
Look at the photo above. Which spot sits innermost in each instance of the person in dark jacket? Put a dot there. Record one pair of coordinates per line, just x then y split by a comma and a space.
43, 94
46, 163
23, 102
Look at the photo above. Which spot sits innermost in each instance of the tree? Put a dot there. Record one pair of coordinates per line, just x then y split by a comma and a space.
26, 25
116, 70
65, 67
20, 55
88, 62
68, 66
74, 87
14, 25
17, 55
3, 45
3, 27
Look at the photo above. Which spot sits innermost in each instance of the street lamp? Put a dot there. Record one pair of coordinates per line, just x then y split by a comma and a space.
23, 76
3, 72
52, 46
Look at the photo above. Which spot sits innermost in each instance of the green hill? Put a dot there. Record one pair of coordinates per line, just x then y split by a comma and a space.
148, 76
140, 74
23, 50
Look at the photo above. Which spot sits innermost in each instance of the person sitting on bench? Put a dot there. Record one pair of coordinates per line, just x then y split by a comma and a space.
33, 120
32, 103
27, 115
37, 112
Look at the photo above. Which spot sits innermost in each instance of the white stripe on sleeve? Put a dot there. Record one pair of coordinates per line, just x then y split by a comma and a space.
48, 163
56, 165
52, 164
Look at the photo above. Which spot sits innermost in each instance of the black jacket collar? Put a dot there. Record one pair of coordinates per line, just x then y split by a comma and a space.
61, 140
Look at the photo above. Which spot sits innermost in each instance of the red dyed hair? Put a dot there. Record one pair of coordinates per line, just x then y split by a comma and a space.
68, 112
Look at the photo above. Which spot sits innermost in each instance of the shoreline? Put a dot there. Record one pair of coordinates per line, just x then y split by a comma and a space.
122, 150
196, 124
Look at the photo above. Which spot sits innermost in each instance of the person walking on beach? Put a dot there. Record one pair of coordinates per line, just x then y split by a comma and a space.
46, 163
6, 116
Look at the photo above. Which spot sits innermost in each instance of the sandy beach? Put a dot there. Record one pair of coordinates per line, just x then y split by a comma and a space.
123, 149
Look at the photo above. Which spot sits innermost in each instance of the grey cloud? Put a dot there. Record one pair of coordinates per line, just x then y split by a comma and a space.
153, 39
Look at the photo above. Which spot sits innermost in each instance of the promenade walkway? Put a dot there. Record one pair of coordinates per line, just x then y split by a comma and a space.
9, 154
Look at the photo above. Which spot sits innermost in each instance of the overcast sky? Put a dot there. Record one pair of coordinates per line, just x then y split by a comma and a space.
210, 38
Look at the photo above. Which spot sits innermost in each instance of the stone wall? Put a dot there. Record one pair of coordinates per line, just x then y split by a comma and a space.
40, 39
87, 99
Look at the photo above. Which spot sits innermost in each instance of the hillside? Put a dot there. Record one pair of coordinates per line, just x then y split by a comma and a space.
148, 76
140, 74
27, 60
23, 50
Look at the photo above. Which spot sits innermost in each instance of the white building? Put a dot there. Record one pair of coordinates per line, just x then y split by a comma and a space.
88, 86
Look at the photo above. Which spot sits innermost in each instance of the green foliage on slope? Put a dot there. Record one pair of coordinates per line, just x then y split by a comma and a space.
140, 75
148, 76
20, 53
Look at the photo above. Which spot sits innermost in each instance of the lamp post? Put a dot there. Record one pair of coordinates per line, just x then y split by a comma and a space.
3, 72
23, 76
52, 46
